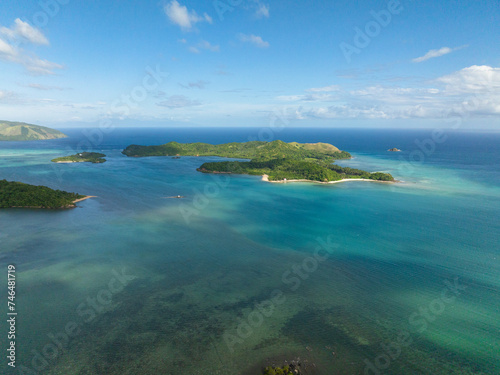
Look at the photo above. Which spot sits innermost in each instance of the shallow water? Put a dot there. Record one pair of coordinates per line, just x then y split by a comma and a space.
201, 266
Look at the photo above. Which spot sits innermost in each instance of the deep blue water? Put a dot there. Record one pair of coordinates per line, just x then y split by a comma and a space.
203, 265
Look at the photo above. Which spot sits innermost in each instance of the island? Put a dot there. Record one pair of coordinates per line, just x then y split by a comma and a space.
278, 161
20, 195
394, 149
21, 131
91, 157
291, 369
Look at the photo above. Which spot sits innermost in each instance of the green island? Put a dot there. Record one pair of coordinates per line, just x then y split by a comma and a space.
285, 370
18, 194
277, 160
21, 131
92, 157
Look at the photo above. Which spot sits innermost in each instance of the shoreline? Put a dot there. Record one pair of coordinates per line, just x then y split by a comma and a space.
265, 178
84, 198
72, 205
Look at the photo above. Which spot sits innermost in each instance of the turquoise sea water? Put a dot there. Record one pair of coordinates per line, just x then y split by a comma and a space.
352, 278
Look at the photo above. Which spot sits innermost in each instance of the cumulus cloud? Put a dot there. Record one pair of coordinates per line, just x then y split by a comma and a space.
254, 39
178, 101
436, 53
10, 38
474, 79
181, 16
474, 90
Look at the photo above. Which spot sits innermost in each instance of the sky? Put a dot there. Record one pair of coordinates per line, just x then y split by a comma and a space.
396, 63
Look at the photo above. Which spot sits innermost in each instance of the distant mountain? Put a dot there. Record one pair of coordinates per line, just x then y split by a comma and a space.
20, 131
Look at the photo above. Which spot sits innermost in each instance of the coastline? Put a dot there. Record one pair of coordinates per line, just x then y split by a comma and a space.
265, 178
82, 199
360, 179
72, 205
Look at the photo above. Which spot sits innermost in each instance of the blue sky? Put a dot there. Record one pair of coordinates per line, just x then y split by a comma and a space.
239, 63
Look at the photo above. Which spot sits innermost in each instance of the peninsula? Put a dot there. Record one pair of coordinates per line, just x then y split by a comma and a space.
278, 160
91, 157
17, 194
21, 131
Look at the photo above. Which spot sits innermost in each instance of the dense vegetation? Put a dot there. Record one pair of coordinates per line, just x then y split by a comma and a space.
20, 131
279, 169
18, 194
246, 150
92, 157
285, 370
277, 159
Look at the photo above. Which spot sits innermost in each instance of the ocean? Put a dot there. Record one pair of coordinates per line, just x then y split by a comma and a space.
349, 278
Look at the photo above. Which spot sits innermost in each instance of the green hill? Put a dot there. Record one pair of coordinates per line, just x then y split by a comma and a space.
18, 194
246, 150
277, 159
91, 157
20, 131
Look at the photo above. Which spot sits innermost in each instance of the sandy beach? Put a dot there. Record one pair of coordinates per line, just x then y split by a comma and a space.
86, 197
266, 178
356, 179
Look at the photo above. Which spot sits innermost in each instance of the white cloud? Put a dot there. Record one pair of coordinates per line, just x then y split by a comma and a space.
308, 98
11, 52
204, 45
5, 94
324, 89
44, 87
262, 11
179, 15
6, 49
346, 111
178, 101
200, 84
254, 39
436, 53
38, 66
472, 92
473, 80
25, 32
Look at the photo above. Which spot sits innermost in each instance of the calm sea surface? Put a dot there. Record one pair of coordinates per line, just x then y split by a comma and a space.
352, 278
